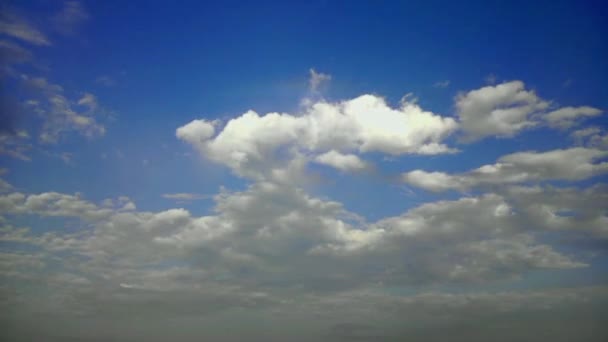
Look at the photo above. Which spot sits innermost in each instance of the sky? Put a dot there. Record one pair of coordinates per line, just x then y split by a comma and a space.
303, 171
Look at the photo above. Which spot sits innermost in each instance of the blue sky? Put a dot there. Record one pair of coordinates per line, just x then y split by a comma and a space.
272, 158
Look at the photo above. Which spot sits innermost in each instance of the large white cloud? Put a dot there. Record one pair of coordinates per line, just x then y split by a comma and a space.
570, 164
280, 234
253, 145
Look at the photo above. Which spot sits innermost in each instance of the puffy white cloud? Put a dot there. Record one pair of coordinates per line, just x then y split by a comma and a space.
570, 164
255, 146
340, 161
566, 117
196, 132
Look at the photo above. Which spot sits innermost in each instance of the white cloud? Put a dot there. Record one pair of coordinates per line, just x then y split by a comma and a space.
342, 162
271, 227
506, 109
566, 117
196, 132
500, 110
255, 146
570, 164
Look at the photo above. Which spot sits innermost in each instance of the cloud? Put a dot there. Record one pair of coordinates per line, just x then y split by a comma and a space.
342, 162
15, 144
59, 113
105, 81
70, 18
14, 26
570, 164
12, 53
269, 228
442, 84
272, 249
88, 100
566, 117
258, 147
317, 79
491, 79
501, 110
508, 108
185, 196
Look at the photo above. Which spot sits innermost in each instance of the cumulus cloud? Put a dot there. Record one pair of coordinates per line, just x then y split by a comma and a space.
500, 110
275, 250
271, 227
255, 146
570, 164
506, 109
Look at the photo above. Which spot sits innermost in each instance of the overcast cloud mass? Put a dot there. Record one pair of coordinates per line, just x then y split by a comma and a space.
303, 171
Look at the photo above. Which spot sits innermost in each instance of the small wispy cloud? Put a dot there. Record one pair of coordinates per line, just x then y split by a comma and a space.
15, 145
17, 27
317, 79
70, 18
106, 81
60, 113
186, 196
491, 79
442, 84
